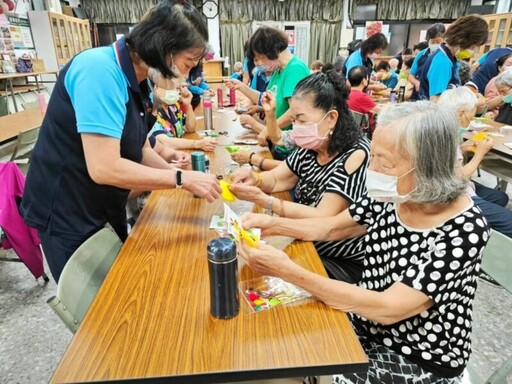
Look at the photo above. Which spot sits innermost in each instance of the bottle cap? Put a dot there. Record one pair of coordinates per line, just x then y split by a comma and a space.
207, 104
221, 249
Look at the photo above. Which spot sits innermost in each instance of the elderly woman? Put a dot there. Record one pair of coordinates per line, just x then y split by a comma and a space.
492, 202
327, 171
424, 239
494, 99
93, 149
268, 47
504, 86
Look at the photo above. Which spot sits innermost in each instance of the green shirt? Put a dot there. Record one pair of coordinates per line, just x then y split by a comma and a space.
286, 80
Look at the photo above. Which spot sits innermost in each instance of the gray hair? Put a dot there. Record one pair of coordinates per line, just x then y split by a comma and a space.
504, 79
427, 134
458, 98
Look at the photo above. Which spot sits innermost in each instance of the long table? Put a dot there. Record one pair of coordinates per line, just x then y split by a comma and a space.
11, 125
9, 86
150, 321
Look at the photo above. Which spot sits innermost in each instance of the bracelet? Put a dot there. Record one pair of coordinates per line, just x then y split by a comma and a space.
259, 179
260, 165
268, 208
250, 157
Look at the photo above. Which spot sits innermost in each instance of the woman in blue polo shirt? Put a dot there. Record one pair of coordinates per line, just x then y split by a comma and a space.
370, 49
92, 149
441, 70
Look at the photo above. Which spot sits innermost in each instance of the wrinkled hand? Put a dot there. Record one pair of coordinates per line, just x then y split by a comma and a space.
268, 101
265, 259
484, 146
243, 176
233, 84
249, 193
262, 138
467, 146
253, 109
202, 184
185, 95
247, 121
241, 157
208, 144
257, 220
490, 115
182, 159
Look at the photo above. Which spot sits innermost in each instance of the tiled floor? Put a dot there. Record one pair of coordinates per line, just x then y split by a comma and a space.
32, 339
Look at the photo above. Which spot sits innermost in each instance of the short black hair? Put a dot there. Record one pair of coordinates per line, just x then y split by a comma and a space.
267, 41
357, 74
407, 51
501, 60
374, 42
435, 30
169, 27
409, 62
421, 46
328, 92
382, 65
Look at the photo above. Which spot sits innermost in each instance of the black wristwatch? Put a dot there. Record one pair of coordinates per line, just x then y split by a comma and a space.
179, 178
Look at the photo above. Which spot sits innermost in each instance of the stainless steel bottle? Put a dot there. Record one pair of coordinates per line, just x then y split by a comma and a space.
223, 271
208, 114
198, 162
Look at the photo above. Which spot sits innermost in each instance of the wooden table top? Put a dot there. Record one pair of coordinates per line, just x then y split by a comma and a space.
4, 76
151, 318
11, 125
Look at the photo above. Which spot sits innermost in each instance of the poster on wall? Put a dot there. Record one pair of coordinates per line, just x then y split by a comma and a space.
373, 27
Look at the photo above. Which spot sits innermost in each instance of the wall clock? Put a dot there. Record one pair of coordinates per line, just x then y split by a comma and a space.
210, 9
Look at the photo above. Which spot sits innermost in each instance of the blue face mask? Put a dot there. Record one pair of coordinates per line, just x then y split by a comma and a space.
507, 99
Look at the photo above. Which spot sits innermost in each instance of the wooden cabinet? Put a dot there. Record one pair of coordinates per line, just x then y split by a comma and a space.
58, 38
500, 32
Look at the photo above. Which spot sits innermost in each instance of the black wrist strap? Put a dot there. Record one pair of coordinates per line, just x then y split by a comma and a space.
250, 157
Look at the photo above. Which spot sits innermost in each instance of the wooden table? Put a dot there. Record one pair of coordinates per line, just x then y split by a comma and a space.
9, 87
151, 318
498, 149
11, 125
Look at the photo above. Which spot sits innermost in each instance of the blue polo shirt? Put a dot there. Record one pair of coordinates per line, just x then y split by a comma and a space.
392, 81
441, 70
356, 59
96, 93
487, 69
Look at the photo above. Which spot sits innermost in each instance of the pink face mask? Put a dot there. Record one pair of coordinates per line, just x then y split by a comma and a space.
306, 135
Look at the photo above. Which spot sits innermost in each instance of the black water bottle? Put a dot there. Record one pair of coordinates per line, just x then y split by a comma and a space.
223, 271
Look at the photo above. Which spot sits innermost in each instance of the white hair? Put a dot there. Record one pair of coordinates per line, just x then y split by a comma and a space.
427, 134
393, 62
458, 98
504, 79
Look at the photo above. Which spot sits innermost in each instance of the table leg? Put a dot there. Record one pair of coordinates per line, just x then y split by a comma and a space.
37, 84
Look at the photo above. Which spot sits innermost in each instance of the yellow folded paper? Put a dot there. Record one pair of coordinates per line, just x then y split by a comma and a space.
226, 194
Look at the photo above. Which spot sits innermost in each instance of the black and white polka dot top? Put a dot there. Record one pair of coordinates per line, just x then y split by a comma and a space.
443, 263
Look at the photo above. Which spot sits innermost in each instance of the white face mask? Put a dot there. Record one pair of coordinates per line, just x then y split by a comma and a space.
433, 47
171, 96
374, 56
507, 68
384, 188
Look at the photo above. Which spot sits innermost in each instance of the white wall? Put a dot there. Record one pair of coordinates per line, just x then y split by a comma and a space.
214, 33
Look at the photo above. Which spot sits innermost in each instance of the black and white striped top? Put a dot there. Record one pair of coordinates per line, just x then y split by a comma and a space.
315, 180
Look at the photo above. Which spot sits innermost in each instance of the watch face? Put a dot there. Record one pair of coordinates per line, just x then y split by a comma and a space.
210, 9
